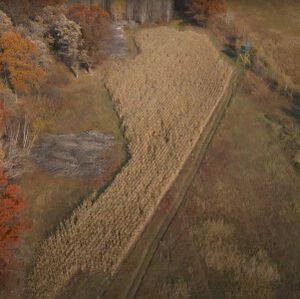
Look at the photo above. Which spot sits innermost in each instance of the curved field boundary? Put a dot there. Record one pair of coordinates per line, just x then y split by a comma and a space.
165, 97
126, 282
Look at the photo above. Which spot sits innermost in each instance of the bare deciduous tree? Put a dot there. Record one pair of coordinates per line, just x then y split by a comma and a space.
68, 43
20, 138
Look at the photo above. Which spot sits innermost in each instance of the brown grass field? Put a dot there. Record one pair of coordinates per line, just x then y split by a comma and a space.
238, 234
164, 98
273, 29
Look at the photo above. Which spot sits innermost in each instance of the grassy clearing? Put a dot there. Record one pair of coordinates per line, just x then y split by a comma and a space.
85, 105
81, 104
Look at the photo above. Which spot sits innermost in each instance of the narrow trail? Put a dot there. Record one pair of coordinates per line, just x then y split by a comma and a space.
128, 279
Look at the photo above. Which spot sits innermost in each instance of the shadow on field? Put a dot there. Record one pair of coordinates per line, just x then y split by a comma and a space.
294, 110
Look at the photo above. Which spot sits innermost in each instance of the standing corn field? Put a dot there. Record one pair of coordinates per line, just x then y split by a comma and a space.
165, 97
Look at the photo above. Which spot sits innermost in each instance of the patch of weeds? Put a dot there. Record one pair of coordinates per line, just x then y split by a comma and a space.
175, 288
234, 271
297, 207
297, 160
230, 51
273, 121
180, 25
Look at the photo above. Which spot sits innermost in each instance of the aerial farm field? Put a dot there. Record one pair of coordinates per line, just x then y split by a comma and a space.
152, 95
149, 149
237, 234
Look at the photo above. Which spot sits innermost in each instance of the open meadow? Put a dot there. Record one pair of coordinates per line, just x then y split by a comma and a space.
272, 28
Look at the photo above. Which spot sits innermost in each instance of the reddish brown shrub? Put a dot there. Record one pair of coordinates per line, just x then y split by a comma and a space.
11, 223
96, 27
200, 9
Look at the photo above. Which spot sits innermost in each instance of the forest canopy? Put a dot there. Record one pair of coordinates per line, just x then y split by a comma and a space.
20, 10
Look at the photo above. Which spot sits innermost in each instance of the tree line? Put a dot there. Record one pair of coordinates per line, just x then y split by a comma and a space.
154, 11
34, 34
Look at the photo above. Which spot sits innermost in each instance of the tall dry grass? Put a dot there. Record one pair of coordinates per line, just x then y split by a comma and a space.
240, 274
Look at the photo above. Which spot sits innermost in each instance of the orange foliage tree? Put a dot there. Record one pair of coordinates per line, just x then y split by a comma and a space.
216, 7
20, 10
200, 9
96, 27
11, 224
18, 63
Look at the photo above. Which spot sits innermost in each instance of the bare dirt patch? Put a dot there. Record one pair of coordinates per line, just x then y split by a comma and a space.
165, 97
72, 155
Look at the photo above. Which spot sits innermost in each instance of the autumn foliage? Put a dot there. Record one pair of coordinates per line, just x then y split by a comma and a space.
20, 10
68, 43
200, 9
11, 224
18, 63
95, 23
